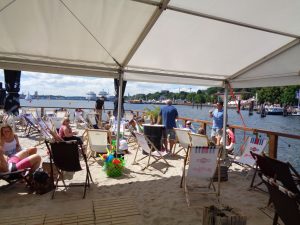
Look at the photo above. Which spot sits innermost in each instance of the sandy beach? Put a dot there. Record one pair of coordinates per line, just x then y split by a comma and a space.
137, 197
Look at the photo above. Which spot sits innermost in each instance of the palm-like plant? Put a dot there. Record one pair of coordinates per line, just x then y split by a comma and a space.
152, 113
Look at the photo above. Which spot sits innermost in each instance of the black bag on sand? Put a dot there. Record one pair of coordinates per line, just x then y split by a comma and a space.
41, 182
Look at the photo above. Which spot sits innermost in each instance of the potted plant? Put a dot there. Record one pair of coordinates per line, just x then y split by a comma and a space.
153, 113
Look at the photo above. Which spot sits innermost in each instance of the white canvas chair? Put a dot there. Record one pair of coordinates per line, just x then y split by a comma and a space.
97, 142
147, 146
203, 163
254, 144
31, 124
183, 136
199, 140
56, 122
91, 120
62, 114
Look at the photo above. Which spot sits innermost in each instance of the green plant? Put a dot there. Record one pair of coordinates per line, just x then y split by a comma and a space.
152, 113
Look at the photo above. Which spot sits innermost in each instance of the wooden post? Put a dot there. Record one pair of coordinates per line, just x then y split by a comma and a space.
273, 144
42, 111
204, 127
226, 216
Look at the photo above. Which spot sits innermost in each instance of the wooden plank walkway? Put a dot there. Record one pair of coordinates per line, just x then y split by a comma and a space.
108, 211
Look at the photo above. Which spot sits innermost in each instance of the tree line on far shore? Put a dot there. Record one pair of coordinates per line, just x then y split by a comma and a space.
272, 95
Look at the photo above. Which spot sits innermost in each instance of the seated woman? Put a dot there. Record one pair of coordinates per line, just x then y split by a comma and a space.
12, 158
66, 133
188, 125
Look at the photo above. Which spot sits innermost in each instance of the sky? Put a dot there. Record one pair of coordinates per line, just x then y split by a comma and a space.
54, 84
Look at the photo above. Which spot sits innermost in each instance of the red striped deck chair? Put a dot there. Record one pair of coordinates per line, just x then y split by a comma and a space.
198, 174
254, 144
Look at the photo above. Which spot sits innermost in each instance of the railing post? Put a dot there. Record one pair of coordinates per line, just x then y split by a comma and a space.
273, 144
204, 127
42, 112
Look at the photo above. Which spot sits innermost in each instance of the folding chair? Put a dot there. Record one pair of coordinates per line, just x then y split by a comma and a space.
65, 156
203, 162
183, 139
253, 144
97, 142
147, 146
91, 121
199, 140
286, 202
31, 124
13, 177
61, 114
278, 170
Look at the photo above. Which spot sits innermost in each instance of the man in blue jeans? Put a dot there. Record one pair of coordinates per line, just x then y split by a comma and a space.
168, 115
217, 127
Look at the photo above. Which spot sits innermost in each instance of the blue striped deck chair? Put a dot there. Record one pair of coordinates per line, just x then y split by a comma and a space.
254, 144
198, 174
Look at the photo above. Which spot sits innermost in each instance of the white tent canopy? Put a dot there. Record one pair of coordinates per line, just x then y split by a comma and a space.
248, 43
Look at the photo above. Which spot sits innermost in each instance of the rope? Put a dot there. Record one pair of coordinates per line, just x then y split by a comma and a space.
238, 110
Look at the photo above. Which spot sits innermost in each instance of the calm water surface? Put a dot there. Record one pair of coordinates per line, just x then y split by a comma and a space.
288, 149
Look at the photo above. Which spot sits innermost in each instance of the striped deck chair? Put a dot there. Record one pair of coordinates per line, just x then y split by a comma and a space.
151, 152
199, 140
62, 114
91, 121
183, 139
97, 142
198, 177
254, 144
286, 202
31, 124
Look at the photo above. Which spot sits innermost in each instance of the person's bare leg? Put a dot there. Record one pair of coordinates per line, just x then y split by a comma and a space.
31, 150
35, 161
172, 142
165, 143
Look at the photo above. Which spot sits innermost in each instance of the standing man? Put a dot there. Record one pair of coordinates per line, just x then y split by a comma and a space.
99, 106
168, 115
217, 127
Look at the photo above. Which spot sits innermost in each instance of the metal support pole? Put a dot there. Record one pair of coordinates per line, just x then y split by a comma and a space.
225, 116
121, 73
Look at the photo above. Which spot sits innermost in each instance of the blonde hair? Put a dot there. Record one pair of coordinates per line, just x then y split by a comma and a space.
1, 131
66, 119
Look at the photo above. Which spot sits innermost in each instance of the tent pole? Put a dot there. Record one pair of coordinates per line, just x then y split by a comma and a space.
225, 116
121, 73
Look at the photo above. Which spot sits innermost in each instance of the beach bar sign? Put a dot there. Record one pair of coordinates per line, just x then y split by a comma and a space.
203, 162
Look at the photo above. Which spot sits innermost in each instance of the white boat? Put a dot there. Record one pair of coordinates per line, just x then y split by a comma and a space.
28, 97
275, 110
91, 96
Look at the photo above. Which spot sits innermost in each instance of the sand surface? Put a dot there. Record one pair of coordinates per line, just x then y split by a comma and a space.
152, 196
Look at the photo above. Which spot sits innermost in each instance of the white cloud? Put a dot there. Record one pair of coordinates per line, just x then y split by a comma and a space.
46, 84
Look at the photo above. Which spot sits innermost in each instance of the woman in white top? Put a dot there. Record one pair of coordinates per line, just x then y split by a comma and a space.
12, 157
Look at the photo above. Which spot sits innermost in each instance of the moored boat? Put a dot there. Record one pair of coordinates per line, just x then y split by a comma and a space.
274, 111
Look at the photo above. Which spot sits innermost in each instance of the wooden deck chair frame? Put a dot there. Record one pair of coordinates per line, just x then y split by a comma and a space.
61, 114
200, 156
65, 156
97, 142
255, 144
13, 177
184, 139
286, 202
199, 140
147, 146
278, 170
91, 120
196, 140
31, 124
